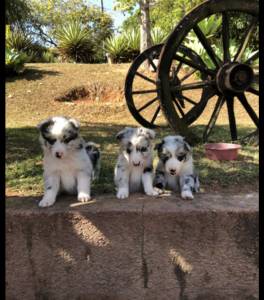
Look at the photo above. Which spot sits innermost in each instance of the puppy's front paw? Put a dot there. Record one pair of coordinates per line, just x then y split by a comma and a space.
83, 197
122, 194
46, 202
153, 192
186, 195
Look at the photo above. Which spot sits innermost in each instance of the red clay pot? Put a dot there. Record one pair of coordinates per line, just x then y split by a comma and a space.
222, 151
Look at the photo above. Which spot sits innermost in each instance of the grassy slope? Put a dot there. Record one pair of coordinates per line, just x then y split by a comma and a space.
29, 99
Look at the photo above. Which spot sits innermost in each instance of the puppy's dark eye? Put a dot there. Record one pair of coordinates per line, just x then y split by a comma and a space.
143, 149
181, 157
50, 141
128, 151
70, 138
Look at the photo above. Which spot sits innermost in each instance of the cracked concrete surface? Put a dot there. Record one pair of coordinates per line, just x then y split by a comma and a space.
140, 248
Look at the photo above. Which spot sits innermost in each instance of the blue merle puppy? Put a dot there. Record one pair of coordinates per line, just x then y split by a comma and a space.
70, 164
134, 170
175, 169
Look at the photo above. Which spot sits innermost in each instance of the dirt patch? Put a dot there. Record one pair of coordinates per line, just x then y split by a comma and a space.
72, 94
95, 91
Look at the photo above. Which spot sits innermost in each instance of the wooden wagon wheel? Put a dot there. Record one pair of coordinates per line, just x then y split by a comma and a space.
150, 104
230, 76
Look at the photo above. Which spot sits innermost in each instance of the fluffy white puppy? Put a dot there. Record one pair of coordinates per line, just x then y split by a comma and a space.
69, 163
134, 168
175, 168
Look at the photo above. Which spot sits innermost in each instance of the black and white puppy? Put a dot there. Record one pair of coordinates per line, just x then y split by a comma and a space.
69, 163
175, 169
134, 168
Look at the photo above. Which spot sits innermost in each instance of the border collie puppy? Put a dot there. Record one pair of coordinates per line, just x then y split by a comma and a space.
134, 170
69, 163
175, 169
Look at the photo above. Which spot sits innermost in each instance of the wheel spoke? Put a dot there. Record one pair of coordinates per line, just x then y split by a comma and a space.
253, 91
188, 100
245, 40
225, 35
206, 45
179, 107
214, 116
194, 65
144, 92
191, 86
231, 117
148, 104
195, 112
249, 109
152, 64
155, 115
146, 78
187, 75
179, 67
252, 58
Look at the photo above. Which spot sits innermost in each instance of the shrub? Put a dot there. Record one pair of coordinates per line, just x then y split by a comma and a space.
75, 43
116, 47
132, 40
158, 36
18, 41
14, 61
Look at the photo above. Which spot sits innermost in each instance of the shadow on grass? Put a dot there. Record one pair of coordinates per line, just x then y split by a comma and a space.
31, 74
24, 158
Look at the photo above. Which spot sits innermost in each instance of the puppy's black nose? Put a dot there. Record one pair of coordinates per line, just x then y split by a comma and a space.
58, 154
172, 171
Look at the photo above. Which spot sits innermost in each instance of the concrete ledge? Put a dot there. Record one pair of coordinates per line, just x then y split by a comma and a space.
141, 248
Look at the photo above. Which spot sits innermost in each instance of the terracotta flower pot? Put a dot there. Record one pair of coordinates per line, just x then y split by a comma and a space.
222, 151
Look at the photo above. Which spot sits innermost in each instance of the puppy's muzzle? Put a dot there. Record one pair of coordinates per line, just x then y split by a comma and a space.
136, 164
59, 154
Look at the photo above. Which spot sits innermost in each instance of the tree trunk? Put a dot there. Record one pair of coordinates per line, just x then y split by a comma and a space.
145, 37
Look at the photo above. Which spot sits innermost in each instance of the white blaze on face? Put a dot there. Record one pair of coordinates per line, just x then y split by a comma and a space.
138, 149
58, 130
172, 151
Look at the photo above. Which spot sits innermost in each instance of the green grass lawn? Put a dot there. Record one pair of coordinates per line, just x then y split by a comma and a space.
30, 99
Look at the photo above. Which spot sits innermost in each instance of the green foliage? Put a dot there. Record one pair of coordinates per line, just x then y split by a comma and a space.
116, 47
48, 15
14, 61
158, 36
75, 42
18, 40
16, 11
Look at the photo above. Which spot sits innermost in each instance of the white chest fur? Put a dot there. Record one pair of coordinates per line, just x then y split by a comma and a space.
135, 180
172, 182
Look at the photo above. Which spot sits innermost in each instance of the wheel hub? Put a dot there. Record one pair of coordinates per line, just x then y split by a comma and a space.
234, 77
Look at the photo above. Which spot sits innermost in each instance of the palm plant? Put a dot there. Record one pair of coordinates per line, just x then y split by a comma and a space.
75, 42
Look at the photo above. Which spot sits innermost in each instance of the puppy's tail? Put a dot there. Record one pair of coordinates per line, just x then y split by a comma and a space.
93, 152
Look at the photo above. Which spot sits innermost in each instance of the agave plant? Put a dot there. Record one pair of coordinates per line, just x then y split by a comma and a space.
116, 47
18, 40
75, 42
14, 61
132, 39
158, 36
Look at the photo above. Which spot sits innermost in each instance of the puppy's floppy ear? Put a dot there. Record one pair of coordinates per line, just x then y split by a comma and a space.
158, 146
149, 133
75, 123
187, 147
44, 125
123, 133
